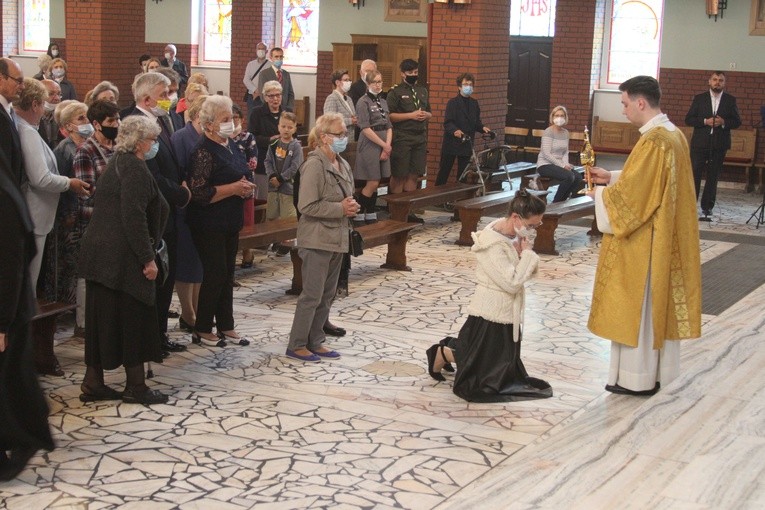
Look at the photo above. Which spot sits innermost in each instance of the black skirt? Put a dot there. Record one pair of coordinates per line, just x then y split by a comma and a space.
489, 366
119, 329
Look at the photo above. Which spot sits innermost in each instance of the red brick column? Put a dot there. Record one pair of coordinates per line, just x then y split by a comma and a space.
98, 34
246, 30
577, 25
9, 15
470, 38
323, 86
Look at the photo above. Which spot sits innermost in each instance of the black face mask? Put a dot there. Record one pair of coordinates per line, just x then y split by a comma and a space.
411, 80
109, 132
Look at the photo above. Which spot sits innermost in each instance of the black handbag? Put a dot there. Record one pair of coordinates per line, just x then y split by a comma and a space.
355, 243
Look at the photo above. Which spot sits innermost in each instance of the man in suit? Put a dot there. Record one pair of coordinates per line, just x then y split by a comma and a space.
150, 90
712, 114
175, 64
11, 85
275, 73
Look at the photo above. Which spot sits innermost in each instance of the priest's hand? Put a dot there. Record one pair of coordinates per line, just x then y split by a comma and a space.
600, 175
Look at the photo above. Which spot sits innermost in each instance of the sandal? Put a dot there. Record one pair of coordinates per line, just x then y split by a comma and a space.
239, 340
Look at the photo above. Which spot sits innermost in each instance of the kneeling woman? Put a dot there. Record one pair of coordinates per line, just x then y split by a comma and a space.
488, 348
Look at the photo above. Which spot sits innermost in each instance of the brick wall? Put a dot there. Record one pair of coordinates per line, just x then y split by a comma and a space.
9, 35
247, 23
678, 87
323, 86
470, 38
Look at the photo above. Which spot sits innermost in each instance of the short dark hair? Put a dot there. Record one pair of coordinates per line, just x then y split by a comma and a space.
526, 205
275, 48
408, 65
237, 110
643, 86
719, 73
143, 58
101, 110
464, 77
338, 75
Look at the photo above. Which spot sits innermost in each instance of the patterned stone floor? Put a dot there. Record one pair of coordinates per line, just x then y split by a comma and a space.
247, 427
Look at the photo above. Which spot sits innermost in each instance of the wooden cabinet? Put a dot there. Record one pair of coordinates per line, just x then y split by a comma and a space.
387, 50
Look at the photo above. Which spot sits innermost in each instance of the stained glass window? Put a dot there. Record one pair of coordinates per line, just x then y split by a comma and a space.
635, 39
36, 25
300, 32
216, 44
532, 18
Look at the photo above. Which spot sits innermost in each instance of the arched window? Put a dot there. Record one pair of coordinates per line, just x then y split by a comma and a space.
634, 37
534, 18
216, 31
299, 29
35, 23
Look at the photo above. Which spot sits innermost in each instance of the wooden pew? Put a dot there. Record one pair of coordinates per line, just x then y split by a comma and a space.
610, 137
400, 205
42, 330
263, 234
393, 233
544, 182
569, 209
470, 212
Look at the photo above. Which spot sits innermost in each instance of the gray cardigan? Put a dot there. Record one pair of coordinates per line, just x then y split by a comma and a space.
323, 225
127, 224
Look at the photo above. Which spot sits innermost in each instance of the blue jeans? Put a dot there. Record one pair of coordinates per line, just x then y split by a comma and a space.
570, 181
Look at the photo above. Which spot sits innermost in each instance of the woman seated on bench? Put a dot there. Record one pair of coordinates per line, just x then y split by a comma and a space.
553, 157
488, 348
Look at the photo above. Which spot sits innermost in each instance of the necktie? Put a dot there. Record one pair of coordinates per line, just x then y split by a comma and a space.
279, 75
13, 119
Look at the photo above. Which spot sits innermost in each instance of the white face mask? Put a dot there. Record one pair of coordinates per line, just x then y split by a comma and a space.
261, 54
168, 56
49, 107
54, 53
226, 129
58, 73
526, 232
346, 86
559, 121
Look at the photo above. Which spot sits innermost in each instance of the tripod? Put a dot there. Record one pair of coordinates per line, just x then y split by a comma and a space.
759, 213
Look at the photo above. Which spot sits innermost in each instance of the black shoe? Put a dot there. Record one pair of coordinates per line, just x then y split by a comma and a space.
240, 340
412, 218
11, 467
332, 330
447, 366
342, 289
173, 314
146, 398
246, 264
620, 390
170, 346
200, 340
185, 326
100, 394
707, 216
431, 354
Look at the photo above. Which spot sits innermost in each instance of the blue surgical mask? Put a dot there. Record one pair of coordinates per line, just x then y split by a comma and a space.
85, 130
467, 90
277, 63
152, 152
339, 144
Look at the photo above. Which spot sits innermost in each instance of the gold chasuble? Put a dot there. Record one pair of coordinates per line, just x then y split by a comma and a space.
652, 210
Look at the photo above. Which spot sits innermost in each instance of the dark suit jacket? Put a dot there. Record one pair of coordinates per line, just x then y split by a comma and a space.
180, 68
701, 108
263, 125
10, 148
169, 176
461, 113
288, 95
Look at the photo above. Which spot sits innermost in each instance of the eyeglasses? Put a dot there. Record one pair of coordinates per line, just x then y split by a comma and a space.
20, 81
533, 227
341, 135
376, 81
274, 96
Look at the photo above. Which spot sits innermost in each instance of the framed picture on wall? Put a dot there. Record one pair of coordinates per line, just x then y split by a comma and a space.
757, 18
414, 11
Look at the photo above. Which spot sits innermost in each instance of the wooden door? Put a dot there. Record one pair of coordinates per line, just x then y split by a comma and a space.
528, 90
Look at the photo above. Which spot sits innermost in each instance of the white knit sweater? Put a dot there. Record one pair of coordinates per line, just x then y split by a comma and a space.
500, 276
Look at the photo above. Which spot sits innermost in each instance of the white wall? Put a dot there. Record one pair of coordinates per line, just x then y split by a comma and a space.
169, 21
57, 18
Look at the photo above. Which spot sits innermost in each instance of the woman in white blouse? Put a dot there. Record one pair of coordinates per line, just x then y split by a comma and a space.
553, 157
42, 185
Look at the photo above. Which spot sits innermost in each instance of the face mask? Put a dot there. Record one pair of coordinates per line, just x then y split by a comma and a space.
168, 56
411, 80
85, 129
58, 73
226, 129
559, 121
173, 99
528, 233
237, 131
467, 90
54, 53
109, 132
261, 54
339, 144
49, 107
346, 86
278, 64
164, 104
152, 151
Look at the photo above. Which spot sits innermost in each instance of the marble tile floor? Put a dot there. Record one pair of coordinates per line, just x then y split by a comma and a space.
247, 427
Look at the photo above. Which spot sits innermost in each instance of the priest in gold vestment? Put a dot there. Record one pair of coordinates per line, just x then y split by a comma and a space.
647, 292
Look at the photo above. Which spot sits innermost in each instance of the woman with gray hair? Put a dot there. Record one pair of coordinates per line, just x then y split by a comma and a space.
217, 178
264, 124
105, 90
326, 205
43, 185
117, 260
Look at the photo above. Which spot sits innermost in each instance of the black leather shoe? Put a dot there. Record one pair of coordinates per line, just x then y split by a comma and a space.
173, 314
620, 390
185, 326
146, 398
170, 346
332, 330
414, 219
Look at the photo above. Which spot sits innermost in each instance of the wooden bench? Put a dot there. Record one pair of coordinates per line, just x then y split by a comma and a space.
743, 147
470, 212
393, 233
263, 234
400, 205
543, 183
567, 210
42, 331
615, 138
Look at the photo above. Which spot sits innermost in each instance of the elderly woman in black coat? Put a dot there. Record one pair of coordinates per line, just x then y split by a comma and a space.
117, 261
